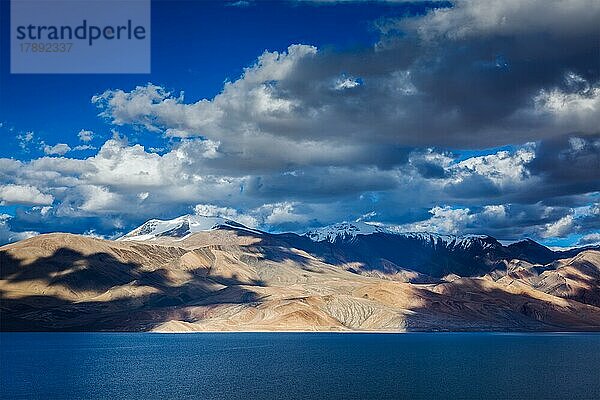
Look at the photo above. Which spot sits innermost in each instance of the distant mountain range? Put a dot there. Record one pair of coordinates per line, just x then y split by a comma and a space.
376, 246
206, 273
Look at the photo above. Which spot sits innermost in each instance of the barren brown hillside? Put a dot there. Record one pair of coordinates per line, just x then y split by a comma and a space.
221, 280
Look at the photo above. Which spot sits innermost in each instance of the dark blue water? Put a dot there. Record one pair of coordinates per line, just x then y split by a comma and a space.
299, 366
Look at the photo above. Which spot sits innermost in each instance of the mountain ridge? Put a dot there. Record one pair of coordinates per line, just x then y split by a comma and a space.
199, 273
179, 227
376, 246
227, 279
342, 231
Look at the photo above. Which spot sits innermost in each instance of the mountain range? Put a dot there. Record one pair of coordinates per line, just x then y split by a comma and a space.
197, 273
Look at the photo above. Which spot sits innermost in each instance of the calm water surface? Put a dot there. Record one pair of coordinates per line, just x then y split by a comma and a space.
299, 366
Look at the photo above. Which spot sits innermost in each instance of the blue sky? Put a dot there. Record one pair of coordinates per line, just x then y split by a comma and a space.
193, 49
299, 114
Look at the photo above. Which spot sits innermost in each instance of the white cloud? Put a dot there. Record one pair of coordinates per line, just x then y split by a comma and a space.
346, 83
92, 233
24, 194
117, 164
85, 135
472, 18
42, 210
113, 183
136, 106
305, 103
58, 149
503, 168
210, 210
237, 110
281, 213
592, 238
120, 176
7, 235
25, 139
272, 214
299, 138
560, 228
495, 212
98, 199
579, 109
503, 221
444, 220
83, 147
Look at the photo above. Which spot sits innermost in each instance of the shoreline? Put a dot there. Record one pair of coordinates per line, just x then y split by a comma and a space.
504, 332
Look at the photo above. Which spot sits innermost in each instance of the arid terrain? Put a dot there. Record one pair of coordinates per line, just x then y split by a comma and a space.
228, 279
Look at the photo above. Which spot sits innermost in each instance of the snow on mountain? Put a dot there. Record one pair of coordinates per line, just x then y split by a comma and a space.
347, 231
185, 225
451, 241
344, 231
181, 227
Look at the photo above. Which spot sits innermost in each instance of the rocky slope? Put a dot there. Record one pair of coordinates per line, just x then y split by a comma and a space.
366, 248
233, 278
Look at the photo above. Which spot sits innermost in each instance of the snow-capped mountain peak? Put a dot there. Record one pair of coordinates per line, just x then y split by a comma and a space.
451, 241
347, 231
344, 231
180, 227
183, 226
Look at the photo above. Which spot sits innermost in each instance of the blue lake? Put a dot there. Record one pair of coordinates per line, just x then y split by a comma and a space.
299, 366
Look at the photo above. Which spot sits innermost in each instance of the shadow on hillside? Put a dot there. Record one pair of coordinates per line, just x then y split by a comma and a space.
390, 254
125, 295
129, 296
470, 305
370, 253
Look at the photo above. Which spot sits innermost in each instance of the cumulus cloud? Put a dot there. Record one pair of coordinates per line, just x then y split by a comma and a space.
281, 213
99, 199
7, 235
114, 183
590, 239
506, 221
210, 210
571, 107
494, 175
481, 68
477, 118
83, 147
23, 194
468, 18
560, 228
58, 149
444, 220
273, 215
85, 135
